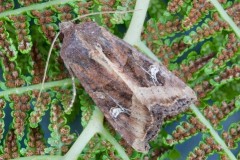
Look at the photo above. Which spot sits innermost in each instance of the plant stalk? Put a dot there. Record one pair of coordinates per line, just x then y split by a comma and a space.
95, 125
61, 83
39, 6
135, 28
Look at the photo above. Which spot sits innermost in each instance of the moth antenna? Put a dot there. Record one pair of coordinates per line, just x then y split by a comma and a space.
74, 94
117, 102
145, 71
46, 67
104, 12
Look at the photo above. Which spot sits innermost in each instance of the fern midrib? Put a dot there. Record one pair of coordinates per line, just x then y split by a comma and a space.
39, 6
94, 126
43, 157
61, 83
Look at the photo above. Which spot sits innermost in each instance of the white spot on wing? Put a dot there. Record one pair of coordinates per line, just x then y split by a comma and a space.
115, 111
153, 70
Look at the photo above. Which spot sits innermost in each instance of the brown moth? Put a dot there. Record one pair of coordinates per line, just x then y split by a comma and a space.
134, 92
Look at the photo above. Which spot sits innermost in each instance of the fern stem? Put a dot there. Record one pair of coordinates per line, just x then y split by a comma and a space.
147, 51
212, 131
133, 35
45, 157
135, 28
61, 83
95, 125
226, 17
38, 6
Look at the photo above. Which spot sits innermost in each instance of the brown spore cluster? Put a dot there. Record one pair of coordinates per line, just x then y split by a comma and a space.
150, 35
203, 88
174, 5
63, 74
35, 142
65, 97
110, 5
194, 65
107, 2
232, 136
28, 2
186, 130
229, 73
224, 157
38, 66
166, 53
92, 146
10, 147
234, 13
110, 151
6, 5
169, 27
46, 21
2, 106
84, 8
21, 106
11, 74
216, 24
86, 116
97, 144
154, 30
205, 148
2, 114
199, 8
58, 125
65, 12
226, 54
40, 108
21, 29
215, 113
4, 43
106, 17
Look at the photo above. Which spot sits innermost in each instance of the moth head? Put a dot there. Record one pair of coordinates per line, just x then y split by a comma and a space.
66, 26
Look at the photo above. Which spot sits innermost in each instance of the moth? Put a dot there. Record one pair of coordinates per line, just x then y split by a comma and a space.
134, 92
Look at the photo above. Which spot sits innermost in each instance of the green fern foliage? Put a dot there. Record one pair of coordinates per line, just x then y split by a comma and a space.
194, 39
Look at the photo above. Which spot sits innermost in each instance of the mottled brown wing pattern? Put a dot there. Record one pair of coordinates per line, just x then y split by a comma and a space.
132, 91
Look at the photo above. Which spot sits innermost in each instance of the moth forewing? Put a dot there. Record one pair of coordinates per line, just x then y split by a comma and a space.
134, 92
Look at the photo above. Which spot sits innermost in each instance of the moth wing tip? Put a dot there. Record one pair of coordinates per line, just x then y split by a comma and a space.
141, 146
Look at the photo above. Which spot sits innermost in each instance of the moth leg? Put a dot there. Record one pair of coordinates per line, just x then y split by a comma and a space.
152, 72
115, 111
141, 67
